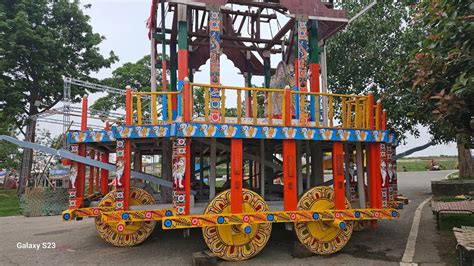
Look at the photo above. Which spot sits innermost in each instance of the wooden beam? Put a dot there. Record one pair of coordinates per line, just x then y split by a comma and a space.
277, 38
246, 155
204, 34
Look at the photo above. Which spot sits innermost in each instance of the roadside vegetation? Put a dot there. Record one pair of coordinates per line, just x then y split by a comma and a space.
414, 164
9, 203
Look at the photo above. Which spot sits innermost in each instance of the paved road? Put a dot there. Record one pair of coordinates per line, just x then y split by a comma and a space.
78, 243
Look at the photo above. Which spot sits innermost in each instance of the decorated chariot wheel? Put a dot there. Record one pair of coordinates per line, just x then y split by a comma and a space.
237, 242
320, 237
134, 233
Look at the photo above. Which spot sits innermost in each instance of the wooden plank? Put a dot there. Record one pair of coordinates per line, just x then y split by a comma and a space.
246, 155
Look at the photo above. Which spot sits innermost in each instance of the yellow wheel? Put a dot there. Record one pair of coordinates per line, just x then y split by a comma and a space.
237, 242
320, 237
134, 233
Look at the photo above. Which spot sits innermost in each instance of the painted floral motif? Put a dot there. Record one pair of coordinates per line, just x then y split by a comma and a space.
326, 134
208, 130
343, 135
361, 135
111, 136
188, 129
289, 132
249, 131
379, 135
270, 132
308, 133
228, 131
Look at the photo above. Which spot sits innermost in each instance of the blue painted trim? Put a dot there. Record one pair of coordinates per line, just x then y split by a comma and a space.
230, 131
179, 109
164, 110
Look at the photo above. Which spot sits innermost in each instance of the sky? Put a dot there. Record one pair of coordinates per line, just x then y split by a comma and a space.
123, 23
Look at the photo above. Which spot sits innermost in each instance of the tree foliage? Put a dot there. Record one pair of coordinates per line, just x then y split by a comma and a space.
441, 74
9, 153
370, 53
136, 75
441, 68
42, 41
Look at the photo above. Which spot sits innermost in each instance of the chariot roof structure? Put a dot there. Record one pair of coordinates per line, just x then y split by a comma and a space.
244, 26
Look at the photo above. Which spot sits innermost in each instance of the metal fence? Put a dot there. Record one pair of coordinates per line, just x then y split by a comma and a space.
43, 201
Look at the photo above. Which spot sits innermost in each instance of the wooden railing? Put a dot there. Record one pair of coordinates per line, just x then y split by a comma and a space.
265, 107
146, 104
348, 110
256, 112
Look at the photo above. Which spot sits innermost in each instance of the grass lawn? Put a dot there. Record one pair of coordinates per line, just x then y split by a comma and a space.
9, 203
420, 163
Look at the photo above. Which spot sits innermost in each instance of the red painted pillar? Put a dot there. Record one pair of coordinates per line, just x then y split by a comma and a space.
85, 106
374, 175
104, 174
236, 175
127, 153
338, 175
97, 174
289, 175
91, 173
314, 79
186, 100
78, 170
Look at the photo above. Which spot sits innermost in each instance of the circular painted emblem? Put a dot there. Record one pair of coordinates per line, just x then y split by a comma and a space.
148, 215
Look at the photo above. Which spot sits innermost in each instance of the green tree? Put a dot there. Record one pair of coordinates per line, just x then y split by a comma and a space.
441, 74
369, 55
41, 42
137, 75
9, 153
